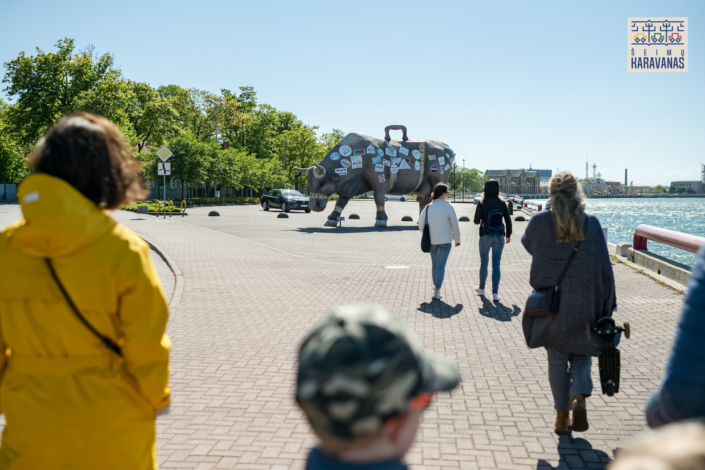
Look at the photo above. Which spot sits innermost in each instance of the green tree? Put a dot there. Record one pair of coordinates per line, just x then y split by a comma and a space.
51, 84
302, 151
13, 165
152, 117
471, 178
659, 189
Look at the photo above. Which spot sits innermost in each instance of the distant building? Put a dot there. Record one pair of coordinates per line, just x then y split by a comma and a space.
516, 181
595, 186
614, 187
545, 176
696, 186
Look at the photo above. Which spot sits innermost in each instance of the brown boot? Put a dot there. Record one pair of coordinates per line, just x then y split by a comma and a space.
580, 422
562, 422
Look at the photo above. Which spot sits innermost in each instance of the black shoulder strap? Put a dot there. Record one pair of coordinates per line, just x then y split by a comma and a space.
109, 343
572, 254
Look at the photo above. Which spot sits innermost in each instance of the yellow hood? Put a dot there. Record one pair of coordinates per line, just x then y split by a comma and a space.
58, 219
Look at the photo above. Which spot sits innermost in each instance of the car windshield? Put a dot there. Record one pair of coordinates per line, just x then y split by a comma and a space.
291, 192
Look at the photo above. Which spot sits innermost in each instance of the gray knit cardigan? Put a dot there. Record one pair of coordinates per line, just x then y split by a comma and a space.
587, 292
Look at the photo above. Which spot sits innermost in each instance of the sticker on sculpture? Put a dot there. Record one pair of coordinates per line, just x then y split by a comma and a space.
379, 167
345, 163
356, 161
335, 156
381, 178
341, 171
434, 168
394, 169
377, 160
396, 161
386, 162
345, 150
404, 151
391, 152
370, 149
447, 167
359, 152
404, 166
441, 170
442, 160
417, 165
416, 154
380, 152
431, 157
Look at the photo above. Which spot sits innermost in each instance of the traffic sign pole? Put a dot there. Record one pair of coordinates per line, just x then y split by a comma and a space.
164, 153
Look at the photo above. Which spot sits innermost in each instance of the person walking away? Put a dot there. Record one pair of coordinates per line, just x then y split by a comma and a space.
681, 396
84, 361
587, 293
443, 228
363, 383
491, 214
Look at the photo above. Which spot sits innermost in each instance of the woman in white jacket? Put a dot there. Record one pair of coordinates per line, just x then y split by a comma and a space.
443, 227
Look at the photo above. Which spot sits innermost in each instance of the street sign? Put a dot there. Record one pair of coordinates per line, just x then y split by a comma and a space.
164, 169
164, 153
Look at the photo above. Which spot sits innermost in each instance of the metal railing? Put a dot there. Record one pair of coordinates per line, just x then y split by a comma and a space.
683, 241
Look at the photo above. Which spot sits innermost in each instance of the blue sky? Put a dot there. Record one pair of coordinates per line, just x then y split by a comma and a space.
504, 83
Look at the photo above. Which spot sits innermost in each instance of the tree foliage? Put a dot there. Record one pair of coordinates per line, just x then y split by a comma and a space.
265, 143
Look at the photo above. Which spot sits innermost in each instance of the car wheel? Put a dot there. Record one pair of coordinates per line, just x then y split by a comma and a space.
403, 198
285, 207
385, 198
265, 206
307, 210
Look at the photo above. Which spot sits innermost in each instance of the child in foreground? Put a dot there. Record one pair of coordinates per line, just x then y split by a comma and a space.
363, 383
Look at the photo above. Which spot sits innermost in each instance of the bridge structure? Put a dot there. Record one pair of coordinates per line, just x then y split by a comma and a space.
245, 288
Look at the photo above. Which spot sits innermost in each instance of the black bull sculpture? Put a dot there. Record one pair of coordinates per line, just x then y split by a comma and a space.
360, 163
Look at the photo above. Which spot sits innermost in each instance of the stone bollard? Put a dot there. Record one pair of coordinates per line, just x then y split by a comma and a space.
143, 209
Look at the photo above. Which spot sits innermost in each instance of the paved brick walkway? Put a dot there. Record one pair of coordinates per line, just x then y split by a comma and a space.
255, 284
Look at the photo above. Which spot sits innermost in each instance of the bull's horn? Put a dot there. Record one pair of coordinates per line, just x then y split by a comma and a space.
319, 172
301, 170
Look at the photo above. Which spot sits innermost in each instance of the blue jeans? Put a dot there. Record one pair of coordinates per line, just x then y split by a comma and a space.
439, 256
569, 375
496, 243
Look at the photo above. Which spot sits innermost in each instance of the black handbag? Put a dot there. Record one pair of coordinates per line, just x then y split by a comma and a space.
545, 302
426, 237
109, 343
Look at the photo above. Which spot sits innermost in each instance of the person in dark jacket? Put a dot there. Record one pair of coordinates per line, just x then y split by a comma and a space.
681, 396
587, 293
493, 234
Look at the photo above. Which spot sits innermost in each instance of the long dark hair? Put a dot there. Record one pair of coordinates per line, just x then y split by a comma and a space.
88, 152
439, 190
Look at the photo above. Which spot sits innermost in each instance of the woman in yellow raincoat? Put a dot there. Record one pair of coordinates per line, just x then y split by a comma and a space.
72, 400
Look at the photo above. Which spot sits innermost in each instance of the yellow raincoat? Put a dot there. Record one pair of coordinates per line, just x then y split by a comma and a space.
70, 402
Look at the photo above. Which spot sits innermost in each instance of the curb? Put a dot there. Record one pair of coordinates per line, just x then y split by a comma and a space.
178, 277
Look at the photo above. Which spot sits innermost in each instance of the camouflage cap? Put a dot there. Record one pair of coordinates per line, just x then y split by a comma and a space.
362, 366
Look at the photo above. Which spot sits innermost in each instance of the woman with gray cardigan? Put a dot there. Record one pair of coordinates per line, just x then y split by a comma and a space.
587, 293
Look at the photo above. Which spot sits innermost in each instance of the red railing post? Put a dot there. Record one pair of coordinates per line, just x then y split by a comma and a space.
683, 241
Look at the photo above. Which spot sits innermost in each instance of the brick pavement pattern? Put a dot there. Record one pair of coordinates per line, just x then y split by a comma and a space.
254, 285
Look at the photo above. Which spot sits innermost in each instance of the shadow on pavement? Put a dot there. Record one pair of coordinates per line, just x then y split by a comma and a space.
357, 229
497, 310
576, 453
440, 309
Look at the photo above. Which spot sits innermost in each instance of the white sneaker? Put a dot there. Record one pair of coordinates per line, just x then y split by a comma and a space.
437, 295
479, 291
495, 297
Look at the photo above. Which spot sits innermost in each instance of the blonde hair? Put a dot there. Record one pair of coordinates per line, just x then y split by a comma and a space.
567, 207
678, 446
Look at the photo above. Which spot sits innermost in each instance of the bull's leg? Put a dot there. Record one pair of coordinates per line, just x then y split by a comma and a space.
381, 218
423, 201
339, 206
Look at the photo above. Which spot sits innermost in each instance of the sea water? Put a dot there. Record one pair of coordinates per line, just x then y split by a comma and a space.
621, 216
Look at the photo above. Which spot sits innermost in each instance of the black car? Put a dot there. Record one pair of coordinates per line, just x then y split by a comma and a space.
286, 200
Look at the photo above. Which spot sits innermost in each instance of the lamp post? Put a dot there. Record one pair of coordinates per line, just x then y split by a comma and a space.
463, 180
217, 105
285, 141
